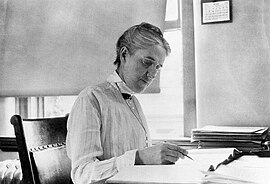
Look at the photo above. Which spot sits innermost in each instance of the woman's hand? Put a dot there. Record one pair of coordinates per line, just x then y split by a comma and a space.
164, 153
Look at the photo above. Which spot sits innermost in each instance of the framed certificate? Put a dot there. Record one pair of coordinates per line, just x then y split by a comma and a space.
216, 11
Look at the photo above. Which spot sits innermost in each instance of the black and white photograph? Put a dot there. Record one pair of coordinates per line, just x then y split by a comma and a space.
134, 91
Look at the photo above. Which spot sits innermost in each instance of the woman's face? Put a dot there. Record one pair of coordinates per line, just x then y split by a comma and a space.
139, 70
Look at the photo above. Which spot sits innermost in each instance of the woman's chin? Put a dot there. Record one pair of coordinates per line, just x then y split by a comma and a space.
143, 85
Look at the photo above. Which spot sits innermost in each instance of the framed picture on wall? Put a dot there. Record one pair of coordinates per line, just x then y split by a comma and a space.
216, 11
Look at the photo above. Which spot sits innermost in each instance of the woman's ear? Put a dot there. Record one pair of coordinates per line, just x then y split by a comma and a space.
123, 54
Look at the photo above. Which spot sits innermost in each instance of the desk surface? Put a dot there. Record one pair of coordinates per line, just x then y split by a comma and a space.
188, 171
164, 174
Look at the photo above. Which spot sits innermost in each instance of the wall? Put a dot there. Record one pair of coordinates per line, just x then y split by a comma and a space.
232, 66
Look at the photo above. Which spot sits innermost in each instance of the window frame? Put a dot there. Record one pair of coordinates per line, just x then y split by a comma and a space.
189, 76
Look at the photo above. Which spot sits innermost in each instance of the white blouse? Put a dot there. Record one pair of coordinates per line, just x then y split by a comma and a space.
104, 131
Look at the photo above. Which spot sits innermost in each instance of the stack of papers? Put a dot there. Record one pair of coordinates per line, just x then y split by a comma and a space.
242, 138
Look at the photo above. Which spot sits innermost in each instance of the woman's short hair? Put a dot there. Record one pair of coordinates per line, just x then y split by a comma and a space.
140, 36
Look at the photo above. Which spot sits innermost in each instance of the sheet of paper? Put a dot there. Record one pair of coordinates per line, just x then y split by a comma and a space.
158, 174
246, 175
246, 169
203, 158
252, 161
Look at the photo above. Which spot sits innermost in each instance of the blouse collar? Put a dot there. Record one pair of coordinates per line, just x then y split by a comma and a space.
117, 82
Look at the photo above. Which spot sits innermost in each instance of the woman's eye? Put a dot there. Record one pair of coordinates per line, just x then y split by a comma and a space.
147, 62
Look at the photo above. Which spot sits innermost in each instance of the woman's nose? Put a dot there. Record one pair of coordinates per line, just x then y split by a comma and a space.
153, 70
152, 73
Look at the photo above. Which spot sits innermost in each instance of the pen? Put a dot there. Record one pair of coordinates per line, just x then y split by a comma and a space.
188, 156
181, 152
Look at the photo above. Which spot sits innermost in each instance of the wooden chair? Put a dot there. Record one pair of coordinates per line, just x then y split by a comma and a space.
42, 150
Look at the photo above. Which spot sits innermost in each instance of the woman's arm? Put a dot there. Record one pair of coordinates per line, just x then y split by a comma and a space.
84, 143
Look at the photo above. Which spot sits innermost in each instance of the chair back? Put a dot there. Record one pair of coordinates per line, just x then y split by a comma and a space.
42, 150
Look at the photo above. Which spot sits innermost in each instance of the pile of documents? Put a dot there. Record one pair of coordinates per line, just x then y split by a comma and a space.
249, 169
242, 138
